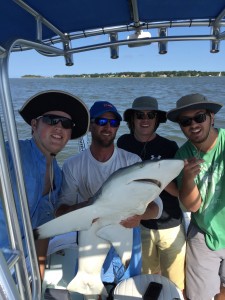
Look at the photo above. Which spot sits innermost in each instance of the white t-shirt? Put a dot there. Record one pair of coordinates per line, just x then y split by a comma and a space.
83, 175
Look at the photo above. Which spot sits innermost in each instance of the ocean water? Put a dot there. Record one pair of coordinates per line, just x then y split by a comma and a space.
121, 92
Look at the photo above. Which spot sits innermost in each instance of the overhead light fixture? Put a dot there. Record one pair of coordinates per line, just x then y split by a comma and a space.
215, 44
162, 45
138, 36
114, 50
68, 56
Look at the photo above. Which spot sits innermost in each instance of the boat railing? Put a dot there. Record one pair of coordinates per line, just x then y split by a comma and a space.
20, 261
8, 288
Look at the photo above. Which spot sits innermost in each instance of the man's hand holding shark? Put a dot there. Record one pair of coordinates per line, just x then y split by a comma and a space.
153, 211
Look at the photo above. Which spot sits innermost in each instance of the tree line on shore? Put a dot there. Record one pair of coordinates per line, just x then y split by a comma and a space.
136, 74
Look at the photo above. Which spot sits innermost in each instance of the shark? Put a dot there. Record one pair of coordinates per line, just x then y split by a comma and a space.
127, 192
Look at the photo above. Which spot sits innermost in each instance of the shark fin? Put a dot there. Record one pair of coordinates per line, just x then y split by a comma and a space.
80, 219
121, 239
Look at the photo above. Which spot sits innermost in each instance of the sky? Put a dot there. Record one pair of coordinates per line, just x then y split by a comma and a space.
181, 56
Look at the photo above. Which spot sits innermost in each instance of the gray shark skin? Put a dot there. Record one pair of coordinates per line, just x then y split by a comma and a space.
127, 192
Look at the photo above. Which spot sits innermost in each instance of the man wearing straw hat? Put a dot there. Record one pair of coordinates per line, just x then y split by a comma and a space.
202, 192
55, 117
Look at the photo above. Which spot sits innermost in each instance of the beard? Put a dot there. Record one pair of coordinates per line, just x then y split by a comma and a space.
201, 139
103, 141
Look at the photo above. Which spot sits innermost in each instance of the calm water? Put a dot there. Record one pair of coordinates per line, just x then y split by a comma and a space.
121, 92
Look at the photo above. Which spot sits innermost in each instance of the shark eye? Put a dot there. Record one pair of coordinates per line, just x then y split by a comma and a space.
156, 182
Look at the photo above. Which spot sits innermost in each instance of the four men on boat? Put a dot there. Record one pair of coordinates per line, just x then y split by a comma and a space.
56, 116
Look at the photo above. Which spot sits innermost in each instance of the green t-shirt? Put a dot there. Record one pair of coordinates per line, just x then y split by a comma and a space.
211, 184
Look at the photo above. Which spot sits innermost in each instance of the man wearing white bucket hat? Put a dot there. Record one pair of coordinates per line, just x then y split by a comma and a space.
202, 192
55, 117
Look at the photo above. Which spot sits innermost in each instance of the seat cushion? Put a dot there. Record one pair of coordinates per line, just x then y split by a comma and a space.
135, 287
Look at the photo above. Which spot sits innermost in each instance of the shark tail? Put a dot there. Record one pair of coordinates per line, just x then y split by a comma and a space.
87, 284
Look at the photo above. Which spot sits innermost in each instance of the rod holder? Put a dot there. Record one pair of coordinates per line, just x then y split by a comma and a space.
162, 45
114, 50
68, 56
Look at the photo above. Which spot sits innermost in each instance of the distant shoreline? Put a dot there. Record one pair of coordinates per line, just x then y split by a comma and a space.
160, 74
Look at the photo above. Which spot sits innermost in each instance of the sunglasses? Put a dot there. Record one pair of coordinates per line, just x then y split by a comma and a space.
187, 121
104, 121
54, 119
141, 115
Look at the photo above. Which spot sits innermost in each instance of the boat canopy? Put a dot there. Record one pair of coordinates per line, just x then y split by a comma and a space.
47, 23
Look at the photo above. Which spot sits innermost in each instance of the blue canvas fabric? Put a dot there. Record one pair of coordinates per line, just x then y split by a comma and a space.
114, 271
75, 16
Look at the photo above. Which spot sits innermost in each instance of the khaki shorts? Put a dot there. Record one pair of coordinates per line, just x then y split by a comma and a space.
205, 268
163, 252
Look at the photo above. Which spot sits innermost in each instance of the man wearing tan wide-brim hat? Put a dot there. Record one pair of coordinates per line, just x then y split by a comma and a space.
202, 192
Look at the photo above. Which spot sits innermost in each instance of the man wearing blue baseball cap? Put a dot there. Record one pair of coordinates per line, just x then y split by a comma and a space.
84, 174
101, 107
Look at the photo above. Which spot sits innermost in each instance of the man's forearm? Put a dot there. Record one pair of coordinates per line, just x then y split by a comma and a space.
154, 210
190, 197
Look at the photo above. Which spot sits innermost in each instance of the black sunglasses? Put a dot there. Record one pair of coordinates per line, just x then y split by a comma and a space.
187, 121
104, 121
54, 119
140, 115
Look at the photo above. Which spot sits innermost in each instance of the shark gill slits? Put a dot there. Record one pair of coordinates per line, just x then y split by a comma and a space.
156, 182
